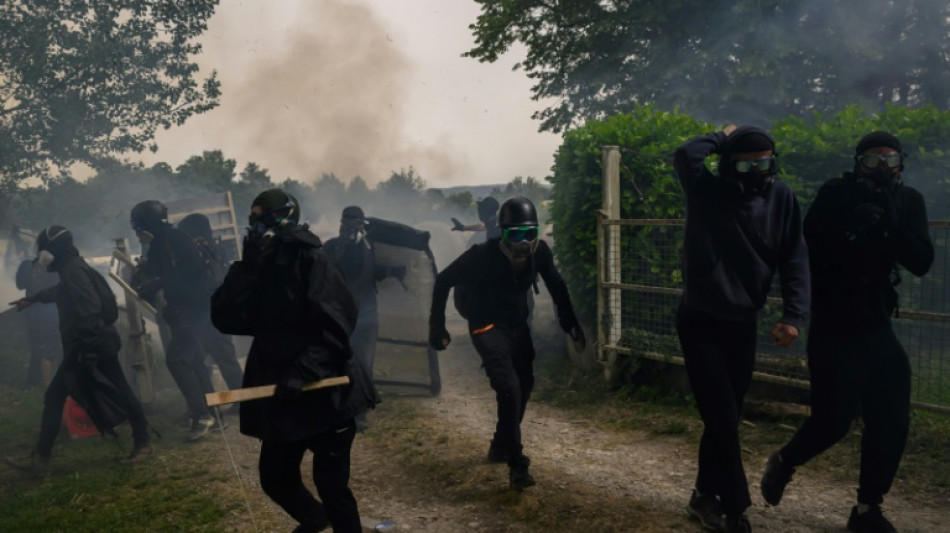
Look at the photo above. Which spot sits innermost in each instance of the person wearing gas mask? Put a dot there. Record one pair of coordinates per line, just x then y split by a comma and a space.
219, 346
353, 255
87, 312
42, 324
295, 304
860, 229
488, 217
174, 265
741, 227
496, 276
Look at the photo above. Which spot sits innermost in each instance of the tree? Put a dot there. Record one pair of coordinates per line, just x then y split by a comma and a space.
735, 61
529, 187
401, 184
83, 80
255, 177
209, 170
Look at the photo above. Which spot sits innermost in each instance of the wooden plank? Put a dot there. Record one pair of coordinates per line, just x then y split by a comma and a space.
266, 391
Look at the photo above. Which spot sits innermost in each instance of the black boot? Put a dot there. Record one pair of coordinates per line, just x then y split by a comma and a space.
518, 476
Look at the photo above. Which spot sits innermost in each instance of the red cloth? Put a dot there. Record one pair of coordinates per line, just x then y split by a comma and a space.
77, 420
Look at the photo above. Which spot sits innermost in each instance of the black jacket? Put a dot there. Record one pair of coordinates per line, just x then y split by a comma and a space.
498, 295
853, 268
357, 263
174, 261
300, 313
734, 247
79, 305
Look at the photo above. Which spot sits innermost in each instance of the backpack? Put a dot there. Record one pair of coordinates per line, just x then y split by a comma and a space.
214, 265
109, 309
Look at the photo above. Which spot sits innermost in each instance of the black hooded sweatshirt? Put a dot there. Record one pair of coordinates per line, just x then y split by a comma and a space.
853, 271
734, 245
300, 313
79, 305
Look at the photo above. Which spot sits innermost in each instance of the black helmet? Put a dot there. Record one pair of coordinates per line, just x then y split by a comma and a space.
54, 239
197, 225
517, 211
278, 209
487, 208
148, 216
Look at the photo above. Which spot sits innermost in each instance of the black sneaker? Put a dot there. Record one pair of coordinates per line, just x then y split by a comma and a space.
706, 510
737, 524
871, 521
518, 476
497, 454
776, 477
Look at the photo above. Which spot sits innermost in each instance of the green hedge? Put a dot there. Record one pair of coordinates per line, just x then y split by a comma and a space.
810, 151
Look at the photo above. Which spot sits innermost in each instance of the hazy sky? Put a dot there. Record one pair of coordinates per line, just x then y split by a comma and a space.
362, 87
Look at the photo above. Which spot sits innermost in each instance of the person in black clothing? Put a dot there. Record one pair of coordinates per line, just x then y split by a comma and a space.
173, 265
496, 276
41, 321
219, 346
741, 226
861, 227
296, 306
352, 254
487, 214
90, 342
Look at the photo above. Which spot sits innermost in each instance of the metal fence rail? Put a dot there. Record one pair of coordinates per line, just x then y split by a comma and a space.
640, 281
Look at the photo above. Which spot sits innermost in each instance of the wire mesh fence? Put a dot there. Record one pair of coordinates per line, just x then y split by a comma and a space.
641, 281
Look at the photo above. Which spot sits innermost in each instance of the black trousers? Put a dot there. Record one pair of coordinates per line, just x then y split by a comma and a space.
866, 374
279, 466
508, 357
720, 356
55, 399
185, 357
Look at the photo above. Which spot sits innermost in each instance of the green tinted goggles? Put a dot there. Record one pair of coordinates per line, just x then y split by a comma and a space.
873, 160
762, 165
519, 233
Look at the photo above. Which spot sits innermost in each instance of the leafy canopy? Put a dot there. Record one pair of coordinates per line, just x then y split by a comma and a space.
85, 79
736, 61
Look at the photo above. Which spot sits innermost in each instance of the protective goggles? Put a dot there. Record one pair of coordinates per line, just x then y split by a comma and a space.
893, 160
136, 225
519, 233
743, 166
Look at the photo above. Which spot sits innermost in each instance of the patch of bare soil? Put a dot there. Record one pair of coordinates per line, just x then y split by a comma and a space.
422, 465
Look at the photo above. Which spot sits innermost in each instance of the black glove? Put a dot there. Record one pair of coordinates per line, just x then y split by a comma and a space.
398, 272
457, 225
257, 247
863, 220
289, 389
439, 338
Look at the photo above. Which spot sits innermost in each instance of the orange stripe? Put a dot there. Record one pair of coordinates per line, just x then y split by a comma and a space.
479, 331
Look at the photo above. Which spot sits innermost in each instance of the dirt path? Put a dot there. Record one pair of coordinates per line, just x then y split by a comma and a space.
632, 480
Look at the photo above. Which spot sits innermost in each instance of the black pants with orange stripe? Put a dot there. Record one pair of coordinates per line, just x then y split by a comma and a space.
508, 358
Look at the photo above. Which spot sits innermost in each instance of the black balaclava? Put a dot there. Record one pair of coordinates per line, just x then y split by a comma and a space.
747, 139
878, 176
197, 225
353, 233
488, 214
279, 211
54, 245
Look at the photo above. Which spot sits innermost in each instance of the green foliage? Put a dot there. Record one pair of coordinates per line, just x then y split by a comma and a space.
810, 152
647, 138
462, 202
83, 80
715, 59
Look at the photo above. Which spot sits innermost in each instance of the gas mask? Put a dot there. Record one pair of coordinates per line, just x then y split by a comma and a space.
352, 232
751, 177
44, 260
519, 242
876, 172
